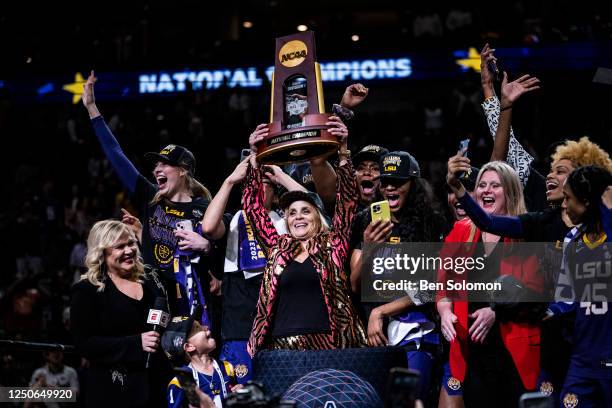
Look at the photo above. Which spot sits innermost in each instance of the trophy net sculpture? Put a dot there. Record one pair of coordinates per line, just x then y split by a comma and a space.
297, 112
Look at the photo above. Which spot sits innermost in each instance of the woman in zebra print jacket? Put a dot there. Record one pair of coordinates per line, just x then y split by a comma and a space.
304, 300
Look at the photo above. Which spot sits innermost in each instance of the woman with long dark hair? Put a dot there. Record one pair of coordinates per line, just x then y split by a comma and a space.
415, 217
585, 288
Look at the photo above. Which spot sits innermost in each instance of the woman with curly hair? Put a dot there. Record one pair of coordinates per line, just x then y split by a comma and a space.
415, 217
108, 312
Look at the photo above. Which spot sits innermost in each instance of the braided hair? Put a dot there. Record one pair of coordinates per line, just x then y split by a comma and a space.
588, 183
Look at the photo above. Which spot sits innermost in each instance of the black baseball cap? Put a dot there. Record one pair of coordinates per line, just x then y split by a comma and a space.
175, 155
399, 165
370, 152
292, 196
176, 333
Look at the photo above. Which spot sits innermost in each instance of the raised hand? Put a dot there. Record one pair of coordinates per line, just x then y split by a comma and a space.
132, 222
338, 129
486, 56
511, 91
239, 173
260, 132
354, 95
274, 173
456, 164
88, 90
88, 97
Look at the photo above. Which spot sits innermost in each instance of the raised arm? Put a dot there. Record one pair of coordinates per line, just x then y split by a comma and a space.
121, 164
500, 225
253, 196
508, 149
346, 185
212, 223
323, 174
324, 179
280, 178
511, 92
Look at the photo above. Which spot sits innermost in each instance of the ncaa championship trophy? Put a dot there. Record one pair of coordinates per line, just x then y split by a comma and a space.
297, 129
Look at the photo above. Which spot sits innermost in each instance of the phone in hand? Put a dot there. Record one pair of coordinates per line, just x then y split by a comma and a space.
495, 70
185, 379
535, 400
184, 225
244, 154
380, 210
463, 150
402, 388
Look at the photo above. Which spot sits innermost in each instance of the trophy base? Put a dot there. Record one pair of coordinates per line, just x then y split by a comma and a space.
297, 144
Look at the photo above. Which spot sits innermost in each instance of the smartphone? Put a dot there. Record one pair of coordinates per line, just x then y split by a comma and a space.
402, 387
185, 379
244, 154
463, 150
184, 225
380, 211
535, 400
496, 70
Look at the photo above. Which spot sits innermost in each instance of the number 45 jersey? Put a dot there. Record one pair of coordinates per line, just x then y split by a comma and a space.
587, 278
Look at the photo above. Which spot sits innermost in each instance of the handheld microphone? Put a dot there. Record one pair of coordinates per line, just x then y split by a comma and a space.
158, 317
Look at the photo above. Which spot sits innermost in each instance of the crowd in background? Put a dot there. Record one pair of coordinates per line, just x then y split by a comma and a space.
60, 183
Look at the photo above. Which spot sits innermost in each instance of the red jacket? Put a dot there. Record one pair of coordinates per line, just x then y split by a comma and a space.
522, 340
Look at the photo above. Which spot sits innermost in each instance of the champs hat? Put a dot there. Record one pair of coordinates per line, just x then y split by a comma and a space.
175, 155
370, 152
399, 165
176, 333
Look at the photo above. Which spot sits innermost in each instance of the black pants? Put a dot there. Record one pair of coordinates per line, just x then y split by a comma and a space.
492, 379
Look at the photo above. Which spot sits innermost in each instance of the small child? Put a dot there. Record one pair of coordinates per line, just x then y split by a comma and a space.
186, 340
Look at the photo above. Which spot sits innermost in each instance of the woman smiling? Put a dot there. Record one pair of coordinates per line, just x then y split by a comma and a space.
109, 313
304, 300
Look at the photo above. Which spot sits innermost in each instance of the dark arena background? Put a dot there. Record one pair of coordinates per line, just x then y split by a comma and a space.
197, 74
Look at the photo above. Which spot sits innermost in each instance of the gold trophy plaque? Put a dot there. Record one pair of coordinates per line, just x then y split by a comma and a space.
297, 129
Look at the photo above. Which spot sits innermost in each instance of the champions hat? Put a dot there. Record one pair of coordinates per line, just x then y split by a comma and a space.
370, 152
177, 333
175, 155
399, 165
